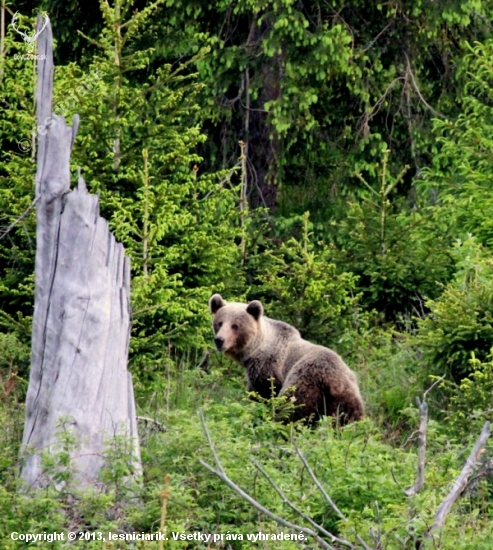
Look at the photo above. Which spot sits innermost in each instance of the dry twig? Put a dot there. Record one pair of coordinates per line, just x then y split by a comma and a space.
222, 475
417, 90
7, 230
204, 362
423, 424
318, 527
461, 481
330, 502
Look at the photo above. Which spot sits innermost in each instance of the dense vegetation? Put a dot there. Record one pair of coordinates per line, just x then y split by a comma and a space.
332, 159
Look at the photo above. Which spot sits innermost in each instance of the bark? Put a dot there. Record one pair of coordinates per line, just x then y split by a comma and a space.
81, 322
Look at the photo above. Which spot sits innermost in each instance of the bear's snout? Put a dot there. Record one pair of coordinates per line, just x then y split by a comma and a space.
219, 341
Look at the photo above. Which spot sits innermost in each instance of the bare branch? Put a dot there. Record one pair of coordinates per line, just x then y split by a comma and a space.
318, 484
223, 477
19, 219
409, 438
363, 543
221, 474
461, 481
433, 385
204, 362
420, 476
483, 19
374, 40
416, 88
363, 127
423, 425
209, 441
396, 481
318, 527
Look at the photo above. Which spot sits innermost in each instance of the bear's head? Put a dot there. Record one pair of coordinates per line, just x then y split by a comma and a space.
236, 326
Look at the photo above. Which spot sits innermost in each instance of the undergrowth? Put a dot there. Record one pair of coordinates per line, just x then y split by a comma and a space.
363, 467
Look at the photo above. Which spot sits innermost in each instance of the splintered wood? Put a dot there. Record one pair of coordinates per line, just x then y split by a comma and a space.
81, 325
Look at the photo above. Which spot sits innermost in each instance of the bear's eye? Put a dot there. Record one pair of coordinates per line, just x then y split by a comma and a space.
234, 327
220, 324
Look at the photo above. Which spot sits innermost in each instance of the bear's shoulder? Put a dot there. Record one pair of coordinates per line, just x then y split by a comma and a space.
280, 329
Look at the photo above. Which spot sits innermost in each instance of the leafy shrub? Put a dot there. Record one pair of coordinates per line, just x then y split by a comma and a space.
17, 171
461, 320
179, 224
470, 401
353, 464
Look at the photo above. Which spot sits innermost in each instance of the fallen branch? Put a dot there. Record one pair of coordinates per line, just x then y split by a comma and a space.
461, 481
220, 473
423, 424
318, 527
363, 543
420, 475
330, 502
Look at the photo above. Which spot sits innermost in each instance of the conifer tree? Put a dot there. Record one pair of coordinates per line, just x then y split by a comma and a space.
137, 147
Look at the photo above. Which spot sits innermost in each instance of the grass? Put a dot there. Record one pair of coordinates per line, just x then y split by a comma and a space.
356, 466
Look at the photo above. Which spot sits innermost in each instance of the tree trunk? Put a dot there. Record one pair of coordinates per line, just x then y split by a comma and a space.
81, 323
262, 148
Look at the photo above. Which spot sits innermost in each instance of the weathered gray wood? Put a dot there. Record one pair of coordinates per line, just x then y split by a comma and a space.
81, 323
461, 481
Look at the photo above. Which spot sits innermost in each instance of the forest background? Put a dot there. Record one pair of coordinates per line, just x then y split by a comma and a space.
331, 159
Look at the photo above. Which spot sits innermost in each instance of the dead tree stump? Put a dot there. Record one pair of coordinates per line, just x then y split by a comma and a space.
81, 323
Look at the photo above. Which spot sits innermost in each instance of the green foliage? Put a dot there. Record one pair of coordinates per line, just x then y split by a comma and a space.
470, 402
326, 83
56, 460
460, 321
303, 287
137, 147
318, 93
390, 247
14, 353
17, 169
353, 464
459, 180
276, 408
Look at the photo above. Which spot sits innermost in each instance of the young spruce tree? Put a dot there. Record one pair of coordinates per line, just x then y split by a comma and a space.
137, 147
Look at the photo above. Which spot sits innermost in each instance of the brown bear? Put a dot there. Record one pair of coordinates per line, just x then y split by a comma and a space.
269, 349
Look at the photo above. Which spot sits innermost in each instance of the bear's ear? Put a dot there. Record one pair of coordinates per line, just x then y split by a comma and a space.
255, 309
216, 303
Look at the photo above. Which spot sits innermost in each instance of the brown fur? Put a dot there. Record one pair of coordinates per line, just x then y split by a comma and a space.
324, 384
